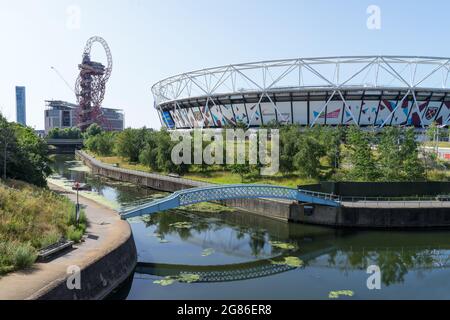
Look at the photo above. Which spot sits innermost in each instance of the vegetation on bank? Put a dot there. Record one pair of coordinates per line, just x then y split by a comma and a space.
307, 155
26, 154
66, 133
33, 218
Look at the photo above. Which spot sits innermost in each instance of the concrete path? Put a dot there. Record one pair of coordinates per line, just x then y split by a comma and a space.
105, 233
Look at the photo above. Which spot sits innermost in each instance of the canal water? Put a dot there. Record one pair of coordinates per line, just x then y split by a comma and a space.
212, 252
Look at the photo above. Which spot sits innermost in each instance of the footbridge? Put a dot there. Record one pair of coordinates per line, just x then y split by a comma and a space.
227, 192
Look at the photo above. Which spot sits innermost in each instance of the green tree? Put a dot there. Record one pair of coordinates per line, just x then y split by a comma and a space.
390, 154
435, 134
149, 153
310, 151
157, 153
361, 158
130, 142
412, 166
25, 155
240, 169
289, 137
102, 144
7, 141
331, 138
67, 133
93, 130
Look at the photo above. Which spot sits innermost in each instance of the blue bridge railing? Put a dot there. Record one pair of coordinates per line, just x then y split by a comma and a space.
228, 192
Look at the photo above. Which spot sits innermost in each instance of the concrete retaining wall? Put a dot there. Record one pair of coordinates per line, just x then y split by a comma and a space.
377, 218
382, 189
155, 181
101, 277
268, 208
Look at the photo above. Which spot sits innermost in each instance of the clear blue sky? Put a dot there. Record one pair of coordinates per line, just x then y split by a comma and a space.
152, 39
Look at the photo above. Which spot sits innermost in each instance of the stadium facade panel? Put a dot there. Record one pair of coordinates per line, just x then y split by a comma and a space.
365, 91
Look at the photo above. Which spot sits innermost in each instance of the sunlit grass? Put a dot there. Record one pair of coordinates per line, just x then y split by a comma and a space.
31, 219
441, 144
226, 177
216, 175
120, 162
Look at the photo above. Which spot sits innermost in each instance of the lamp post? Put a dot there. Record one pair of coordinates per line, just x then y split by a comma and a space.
77, 208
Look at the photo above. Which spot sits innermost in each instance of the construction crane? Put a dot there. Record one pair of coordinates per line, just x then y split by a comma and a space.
91, 85
64, 80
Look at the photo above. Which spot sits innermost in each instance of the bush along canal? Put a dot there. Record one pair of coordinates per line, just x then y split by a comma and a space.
213, 252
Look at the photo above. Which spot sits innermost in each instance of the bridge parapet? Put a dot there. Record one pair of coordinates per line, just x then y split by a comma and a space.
192, 196
227, 192
57, 142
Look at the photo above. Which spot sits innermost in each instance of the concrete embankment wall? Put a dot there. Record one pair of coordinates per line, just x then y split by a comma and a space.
375, 218
382, 189
101, 277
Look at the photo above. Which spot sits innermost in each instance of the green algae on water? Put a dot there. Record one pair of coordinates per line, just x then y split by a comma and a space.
206, 207
283, 245
167, 281
188, 277
293, 262
181, 225
338, 294
208, 252
182, 278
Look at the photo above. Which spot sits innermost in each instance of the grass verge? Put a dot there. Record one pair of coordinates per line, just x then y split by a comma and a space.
32, 218
214, 175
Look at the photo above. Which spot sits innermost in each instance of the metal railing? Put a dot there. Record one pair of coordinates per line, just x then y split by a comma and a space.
397, 202
323, 195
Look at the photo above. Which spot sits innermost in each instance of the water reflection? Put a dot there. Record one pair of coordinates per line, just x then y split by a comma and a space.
413, 264
67, 170
345, 251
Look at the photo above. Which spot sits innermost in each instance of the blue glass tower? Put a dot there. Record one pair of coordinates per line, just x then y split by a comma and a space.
21, 106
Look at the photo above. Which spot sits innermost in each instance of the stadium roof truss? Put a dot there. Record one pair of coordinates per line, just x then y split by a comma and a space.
334, 74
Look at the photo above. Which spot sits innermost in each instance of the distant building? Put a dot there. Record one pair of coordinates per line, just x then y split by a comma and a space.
40, 133
62, 114
21, 108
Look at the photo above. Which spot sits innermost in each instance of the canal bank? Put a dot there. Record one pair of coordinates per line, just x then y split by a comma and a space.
357, 214
274, 209
105, 259
233, 252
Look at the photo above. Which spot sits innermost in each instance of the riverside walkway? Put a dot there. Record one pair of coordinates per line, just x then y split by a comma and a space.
105, 234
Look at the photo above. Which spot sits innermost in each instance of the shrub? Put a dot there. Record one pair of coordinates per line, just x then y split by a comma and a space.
74, 234
24, 256
14, 256
31, 219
